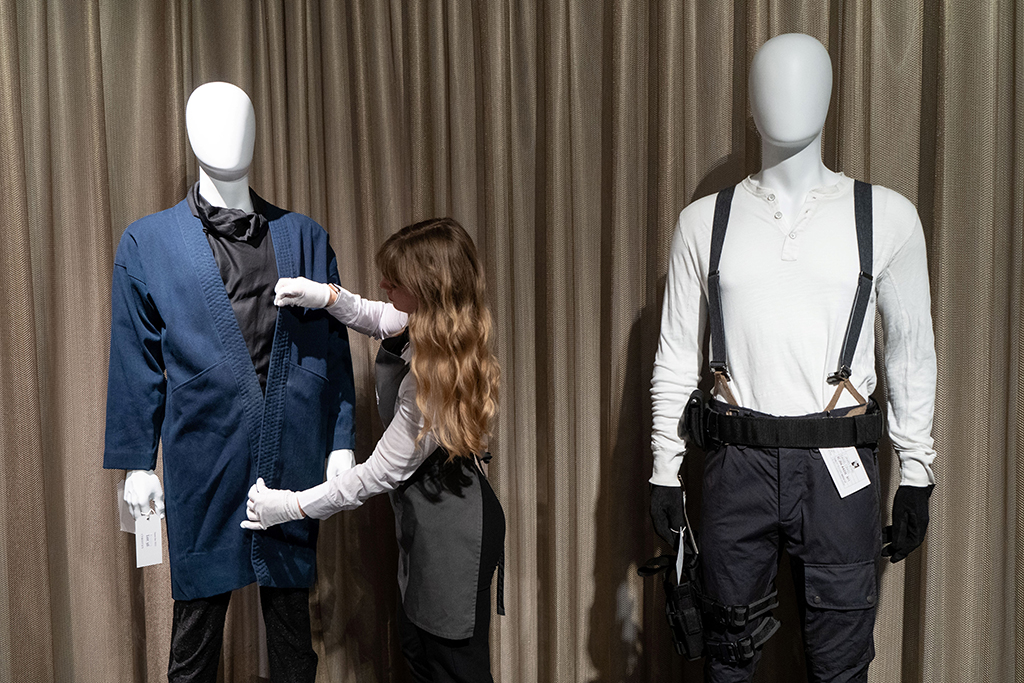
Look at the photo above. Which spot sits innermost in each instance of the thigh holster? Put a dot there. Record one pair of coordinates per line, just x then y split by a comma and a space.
683, 598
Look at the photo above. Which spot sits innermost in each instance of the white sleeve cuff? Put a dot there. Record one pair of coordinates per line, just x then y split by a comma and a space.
915, 472
666, 470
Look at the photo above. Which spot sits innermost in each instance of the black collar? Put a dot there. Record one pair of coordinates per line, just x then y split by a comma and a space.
233, 224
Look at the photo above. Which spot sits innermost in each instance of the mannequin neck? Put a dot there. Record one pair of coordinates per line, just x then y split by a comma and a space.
792, 172
231, 194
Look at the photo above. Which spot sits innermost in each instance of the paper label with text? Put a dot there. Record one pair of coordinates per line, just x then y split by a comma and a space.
149, 549
846, 469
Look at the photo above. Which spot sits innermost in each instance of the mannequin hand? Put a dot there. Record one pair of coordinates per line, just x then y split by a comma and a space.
267, 507
909, 521
298, 291
339, 461
141, 487
667, 511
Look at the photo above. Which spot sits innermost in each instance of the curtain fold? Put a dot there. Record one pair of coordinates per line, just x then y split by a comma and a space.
566, 135
25, 627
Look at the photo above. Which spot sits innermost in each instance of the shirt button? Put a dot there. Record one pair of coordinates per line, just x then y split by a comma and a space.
771, 198
792, 235
778, 215
817, 599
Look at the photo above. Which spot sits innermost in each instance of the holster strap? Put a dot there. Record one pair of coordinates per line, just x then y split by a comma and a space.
738, 616
734, 652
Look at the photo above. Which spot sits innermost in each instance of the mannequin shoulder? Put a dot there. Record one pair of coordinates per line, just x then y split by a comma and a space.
297, 222
891, 203
696, 218
702, 209
153, 241
154, 228
894, 214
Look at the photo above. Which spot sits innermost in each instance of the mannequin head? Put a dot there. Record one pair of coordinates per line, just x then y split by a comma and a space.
790, 87
221, 127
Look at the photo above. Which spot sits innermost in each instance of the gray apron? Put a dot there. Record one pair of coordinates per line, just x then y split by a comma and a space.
438, 521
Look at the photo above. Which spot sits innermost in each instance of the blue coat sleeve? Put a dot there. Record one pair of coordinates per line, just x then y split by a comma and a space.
136, 385
339, 369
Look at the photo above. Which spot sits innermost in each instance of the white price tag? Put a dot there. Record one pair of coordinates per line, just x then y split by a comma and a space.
149, 549
846, 469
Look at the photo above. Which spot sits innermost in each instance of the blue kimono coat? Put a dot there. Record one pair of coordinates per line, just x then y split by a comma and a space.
180, 373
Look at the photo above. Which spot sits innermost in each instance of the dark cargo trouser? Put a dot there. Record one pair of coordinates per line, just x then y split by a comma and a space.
757, 501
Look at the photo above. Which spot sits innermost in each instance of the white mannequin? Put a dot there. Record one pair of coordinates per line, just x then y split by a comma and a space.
221, 125
790, 89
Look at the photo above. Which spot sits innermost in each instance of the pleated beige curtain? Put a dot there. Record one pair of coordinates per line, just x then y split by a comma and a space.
566, 135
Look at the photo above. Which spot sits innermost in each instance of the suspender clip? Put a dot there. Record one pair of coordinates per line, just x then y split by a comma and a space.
840, 375
721, 367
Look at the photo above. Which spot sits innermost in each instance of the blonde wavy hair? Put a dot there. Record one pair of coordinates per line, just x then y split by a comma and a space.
456, 373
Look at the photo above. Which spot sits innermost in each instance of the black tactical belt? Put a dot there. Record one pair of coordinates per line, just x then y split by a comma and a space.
793, 432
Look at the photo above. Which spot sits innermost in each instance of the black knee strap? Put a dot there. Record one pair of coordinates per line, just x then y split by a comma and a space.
738, 616
744, 649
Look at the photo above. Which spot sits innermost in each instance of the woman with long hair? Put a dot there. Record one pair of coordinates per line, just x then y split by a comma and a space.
437, 390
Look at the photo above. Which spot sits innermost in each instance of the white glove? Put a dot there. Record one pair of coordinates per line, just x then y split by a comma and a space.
339, 461
141, 487
298, 291
267, 507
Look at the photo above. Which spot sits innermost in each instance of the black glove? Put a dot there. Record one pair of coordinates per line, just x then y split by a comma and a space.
909, 521
667, 511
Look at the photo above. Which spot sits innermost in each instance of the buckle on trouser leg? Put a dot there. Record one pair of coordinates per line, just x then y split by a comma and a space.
738, 616
744, 649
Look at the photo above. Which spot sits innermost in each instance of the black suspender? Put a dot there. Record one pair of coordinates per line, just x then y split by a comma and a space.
863, 219
719, 360
862, 216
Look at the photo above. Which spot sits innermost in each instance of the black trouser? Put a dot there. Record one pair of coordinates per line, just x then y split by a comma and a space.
758, 501
440, 660
197, 633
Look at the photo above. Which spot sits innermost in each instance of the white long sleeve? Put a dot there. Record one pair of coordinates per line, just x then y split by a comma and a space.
395, 459
787, 288
375, 319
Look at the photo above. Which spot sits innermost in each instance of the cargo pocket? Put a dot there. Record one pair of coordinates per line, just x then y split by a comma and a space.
840, 586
